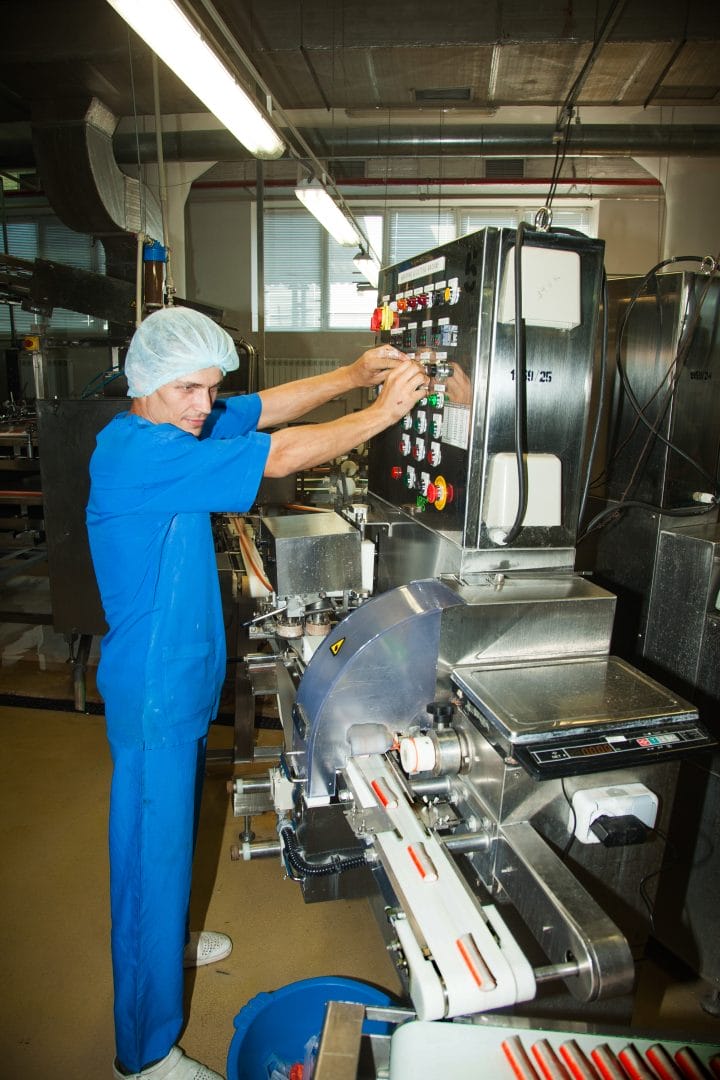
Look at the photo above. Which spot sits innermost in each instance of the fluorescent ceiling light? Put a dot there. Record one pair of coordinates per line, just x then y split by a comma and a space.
368, 266
318, 201
171, 35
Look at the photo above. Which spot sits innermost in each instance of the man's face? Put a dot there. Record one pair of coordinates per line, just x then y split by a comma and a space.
184, 402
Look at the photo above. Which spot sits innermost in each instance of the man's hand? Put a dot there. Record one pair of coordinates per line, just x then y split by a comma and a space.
459, 387
403, 388
372, 367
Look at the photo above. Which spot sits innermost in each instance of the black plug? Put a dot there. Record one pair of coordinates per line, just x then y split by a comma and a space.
619, 831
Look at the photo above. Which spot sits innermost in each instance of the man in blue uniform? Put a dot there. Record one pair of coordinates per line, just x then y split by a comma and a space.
156, 474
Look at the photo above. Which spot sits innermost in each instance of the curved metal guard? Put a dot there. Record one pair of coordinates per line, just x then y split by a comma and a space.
378, 665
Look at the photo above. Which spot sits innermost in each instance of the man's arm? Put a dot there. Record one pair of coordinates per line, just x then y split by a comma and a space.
302, 447
281, 404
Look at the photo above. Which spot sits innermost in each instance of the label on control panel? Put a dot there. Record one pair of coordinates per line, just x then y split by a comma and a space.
456, 425
433, 266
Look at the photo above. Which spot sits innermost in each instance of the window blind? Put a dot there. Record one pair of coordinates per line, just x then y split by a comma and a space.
42, 236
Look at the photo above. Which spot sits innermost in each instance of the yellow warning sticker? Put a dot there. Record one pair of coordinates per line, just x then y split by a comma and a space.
337, 646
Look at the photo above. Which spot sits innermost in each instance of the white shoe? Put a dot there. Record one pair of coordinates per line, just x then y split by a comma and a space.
205, 947
173, 1067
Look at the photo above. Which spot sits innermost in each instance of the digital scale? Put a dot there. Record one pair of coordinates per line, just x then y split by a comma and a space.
568, 717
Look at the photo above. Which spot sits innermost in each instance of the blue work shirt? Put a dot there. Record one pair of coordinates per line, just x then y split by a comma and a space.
152, 488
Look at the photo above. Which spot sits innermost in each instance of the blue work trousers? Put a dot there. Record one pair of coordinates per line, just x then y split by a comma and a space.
154, 810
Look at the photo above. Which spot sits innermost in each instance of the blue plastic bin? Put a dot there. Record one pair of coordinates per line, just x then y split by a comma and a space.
278, 1024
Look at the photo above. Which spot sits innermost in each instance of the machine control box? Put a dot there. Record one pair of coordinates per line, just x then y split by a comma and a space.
452, 310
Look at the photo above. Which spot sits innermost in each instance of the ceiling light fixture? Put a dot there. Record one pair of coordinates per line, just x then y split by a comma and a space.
172, 36
368, 266
317, 199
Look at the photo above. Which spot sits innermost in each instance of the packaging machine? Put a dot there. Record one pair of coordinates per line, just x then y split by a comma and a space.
458, 740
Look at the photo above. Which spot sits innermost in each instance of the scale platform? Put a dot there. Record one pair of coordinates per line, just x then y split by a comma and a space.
573, 716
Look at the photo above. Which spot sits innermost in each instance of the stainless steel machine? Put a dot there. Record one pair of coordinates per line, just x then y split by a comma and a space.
663, 561
461, 744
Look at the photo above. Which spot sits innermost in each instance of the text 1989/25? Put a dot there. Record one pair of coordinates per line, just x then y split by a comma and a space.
534, 376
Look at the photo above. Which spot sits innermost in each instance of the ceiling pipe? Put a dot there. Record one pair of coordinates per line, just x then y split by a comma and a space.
594, 140
437, 181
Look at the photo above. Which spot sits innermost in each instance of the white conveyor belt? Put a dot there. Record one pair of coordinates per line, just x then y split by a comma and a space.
462, 958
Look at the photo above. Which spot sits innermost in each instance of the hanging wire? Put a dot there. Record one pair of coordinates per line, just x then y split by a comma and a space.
686, 339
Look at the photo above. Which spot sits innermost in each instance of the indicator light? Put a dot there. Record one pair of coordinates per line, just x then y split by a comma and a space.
396, 472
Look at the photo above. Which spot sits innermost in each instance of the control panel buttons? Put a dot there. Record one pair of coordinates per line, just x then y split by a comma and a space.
405, 446
421, 422
436, 425
419, 450
444, 493
410, 478
407, 422
434, 454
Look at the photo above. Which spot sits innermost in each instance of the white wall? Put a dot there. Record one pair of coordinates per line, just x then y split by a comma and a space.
692, 195
632, 231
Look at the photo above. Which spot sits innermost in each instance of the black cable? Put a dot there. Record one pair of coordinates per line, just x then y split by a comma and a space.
679, 360
636, 423
618, 508
302, 866
560, 155
520, 347
673, 374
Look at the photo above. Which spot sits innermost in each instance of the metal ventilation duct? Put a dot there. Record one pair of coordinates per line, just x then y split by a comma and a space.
84, 185
595, 140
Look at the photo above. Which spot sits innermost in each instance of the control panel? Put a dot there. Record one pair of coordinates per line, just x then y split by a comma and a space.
430, 313
453, 311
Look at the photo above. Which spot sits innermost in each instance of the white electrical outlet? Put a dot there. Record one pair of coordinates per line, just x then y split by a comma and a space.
614, 801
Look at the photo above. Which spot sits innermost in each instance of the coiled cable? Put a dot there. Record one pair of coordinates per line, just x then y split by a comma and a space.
305, 868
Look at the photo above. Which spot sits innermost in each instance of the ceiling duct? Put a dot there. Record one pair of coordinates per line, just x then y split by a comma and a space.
455, 140
85, 187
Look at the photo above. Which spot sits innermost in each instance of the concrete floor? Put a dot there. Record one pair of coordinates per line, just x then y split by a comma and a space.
56, 1018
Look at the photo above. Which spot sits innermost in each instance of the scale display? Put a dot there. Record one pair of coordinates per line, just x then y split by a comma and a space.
577, 716
617, 751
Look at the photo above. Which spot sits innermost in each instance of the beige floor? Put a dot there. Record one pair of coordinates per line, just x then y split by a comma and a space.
56, 1017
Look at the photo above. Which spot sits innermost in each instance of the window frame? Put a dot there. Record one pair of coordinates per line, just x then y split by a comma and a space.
497, 210
62, 322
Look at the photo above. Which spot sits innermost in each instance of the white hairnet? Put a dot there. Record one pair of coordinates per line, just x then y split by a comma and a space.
173, 342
